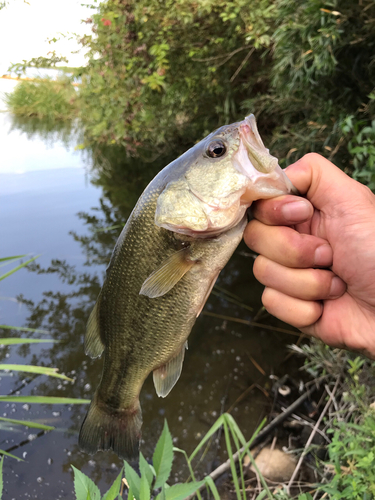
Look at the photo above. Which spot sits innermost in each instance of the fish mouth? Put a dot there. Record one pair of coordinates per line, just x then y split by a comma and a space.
266, 179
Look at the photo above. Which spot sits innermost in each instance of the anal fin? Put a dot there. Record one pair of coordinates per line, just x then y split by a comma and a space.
94, 346
167, 375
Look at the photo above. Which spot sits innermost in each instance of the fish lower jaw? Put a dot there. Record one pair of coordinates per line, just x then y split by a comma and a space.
212, 231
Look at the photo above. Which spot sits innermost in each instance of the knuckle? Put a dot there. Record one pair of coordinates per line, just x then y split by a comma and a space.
250, 234
299, 251
268, 299
260, 267
312, 157
320, 284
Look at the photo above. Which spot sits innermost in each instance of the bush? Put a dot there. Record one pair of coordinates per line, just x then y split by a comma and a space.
44, 98
162, 73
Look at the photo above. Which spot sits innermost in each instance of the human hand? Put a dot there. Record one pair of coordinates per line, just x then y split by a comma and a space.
317, 255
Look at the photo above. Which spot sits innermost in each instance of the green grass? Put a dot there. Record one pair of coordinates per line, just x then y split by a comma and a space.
35, 370
44, 98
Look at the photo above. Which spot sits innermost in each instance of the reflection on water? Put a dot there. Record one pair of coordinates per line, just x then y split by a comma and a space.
217, 367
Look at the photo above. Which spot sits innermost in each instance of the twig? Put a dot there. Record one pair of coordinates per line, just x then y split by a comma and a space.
246, 58
338, 145
313, 432
259, 438
334, 403
250, 323
241, 396
222, 56
309, 424
257, 366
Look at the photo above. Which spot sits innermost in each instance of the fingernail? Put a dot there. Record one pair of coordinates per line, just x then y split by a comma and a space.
323, 256
336, 289
297, 211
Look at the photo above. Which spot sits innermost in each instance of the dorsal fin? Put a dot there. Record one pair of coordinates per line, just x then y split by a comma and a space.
167, 375
165, 277
94, 346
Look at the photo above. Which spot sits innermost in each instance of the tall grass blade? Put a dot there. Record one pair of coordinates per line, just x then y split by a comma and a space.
249, 443
190, 468
236, 442
237, 434
6, 454
13, 257
46, 400
216, 426
39, 370
28, 423
232, 464
210, 483
15, 269
1, 477
23, 329
10, 341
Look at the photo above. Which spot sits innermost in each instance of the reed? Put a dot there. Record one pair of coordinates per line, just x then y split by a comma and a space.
44, 98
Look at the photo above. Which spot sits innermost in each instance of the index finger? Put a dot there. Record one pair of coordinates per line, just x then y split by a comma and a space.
283, 211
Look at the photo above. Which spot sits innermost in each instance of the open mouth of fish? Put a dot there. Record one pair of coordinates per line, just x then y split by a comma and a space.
257, 175
263, 178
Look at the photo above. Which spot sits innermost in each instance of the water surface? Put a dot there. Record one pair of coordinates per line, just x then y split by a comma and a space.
62, 204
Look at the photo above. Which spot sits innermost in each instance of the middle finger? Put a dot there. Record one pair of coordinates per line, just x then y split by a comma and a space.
288, 247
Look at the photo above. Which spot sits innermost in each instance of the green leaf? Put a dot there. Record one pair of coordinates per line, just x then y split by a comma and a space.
40, 370
263, 494
219, 422
181, 491
24, 329
210, 483
15, 269
144, 490
161, 495
14, 257
6, 341
163, 457
28, 423
3, 452
134, 481
1, 477
114, 490
145, 469
48, 400
84, 487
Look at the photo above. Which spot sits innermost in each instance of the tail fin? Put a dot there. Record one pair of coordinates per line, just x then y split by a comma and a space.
106, 429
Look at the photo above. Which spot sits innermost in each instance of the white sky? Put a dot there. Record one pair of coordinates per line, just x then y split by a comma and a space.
24, 29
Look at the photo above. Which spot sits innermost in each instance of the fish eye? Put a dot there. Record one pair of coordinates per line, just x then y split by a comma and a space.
216, 148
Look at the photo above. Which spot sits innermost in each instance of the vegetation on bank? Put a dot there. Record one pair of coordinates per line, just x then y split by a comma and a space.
161, 75
44, 98
343, 468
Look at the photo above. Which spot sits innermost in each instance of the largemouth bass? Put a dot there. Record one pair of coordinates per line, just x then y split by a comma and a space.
181, 233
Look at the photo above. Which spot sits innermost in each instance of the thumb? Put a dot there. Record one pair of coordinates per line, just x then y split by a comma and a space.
323, 184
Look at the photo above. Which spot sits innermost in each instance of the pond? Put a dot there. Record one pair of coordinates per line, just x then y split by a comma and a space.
68, 207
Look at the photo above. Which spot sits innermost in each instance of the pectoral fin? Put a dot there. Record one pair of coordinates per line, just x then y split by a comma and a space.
94, 346
167, 375
167, 275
